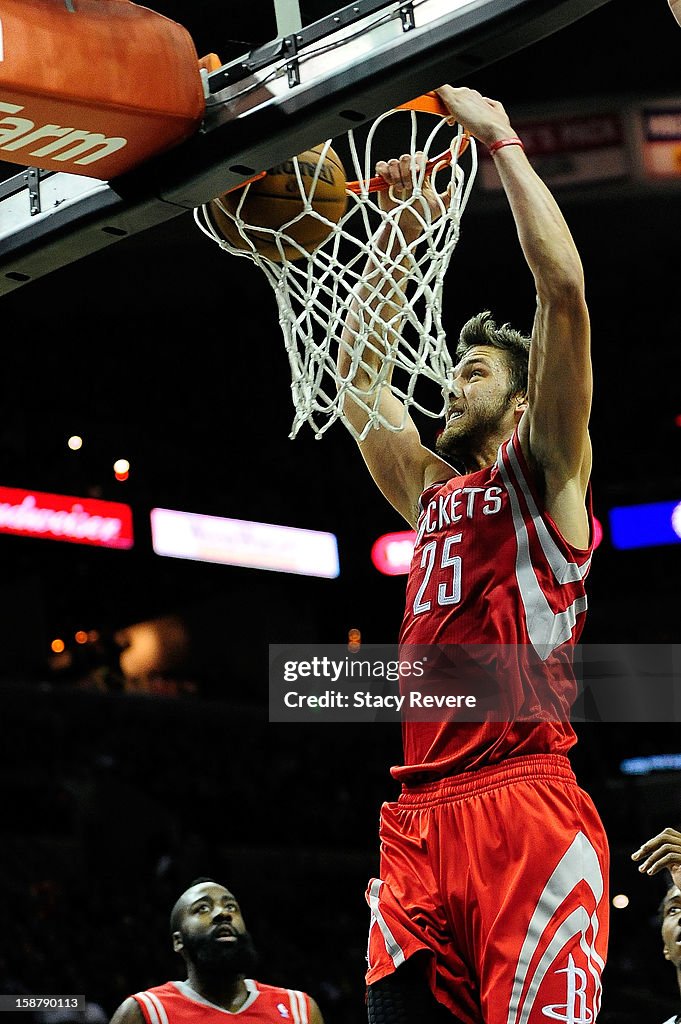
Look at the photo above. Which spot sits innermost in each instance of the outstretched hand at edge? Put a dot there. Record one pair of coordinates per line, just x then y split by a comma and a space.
660, 852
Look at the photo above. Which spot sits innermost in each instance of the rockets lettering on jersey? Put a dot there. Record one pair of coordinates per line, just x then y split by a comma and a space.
454, 506
491, 569
489, 566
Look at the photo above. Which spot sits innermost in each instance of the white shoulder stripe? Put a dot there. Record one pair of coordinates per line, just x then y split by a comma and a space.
150, 1008
294, 1006
163, 1016
155, 1008
547, 629
297, 998
564, 571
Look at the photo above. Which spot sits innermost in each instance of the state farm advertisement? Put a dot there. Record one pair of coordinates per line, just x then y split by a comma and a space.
105, 524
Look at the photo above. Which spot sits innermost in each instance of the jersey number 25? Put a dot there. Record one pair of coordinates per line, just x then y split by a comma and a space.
448, 592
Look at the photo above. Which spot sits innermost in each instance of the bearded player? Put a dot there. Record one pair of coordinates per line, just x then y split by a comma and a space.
209, 933
492, 901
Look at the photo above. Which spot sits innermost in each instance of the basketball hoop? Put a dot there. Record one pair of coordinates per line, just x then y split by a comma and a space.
315, 289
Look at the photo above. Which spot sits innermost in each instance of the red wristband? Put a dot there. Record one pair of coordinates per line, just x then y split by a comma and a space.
505, 142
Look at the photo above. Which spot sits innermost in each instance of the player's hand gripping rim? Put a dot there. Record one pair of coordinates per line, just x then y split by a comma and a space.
404, 178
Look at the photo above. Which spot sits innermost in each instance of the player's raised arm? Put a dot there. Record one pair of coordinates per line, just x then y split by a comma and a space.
399, 463
554, 430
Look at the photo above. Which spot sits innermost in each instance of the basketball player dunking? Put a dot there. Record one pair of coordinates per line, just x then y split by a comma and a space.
209, 933
492, 901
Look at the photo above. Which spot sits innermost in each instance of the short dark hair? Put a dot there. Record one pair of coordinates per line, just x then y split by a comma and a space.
177, 909
482, 330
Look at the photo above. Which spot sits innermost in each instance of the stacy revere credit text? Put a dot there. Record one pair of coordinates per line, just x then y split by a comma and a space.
447, 682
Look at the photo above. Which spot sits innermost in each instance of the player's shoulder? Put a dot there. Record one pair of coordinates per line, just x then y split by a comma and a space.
143, 1005
129, 1012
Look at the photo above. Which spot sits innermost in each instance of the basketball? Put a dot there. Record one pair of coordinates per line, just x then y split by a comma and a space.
275, 200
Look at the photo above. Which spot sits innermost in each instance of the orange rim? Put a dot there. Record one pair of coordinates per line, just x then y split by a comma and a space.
429, 103
248, 181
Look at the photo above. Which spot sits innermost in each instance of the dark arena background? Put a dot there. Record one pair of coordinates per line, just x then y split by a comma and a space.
138, 754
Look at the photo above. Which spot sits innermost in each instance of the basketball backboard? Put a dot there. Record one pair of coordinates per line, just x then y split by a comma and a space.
272, 101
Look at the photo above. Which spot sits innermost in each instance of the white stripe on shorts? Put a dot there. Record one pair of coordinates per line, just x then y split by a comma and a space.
393, 948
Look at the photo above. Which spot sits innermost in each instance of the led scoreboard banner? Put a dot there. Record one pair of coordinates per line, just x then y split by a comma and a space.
119, 126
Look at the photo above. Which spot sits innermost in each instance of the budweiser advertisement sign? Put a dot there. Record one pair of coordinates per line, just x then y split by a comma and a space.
106, 524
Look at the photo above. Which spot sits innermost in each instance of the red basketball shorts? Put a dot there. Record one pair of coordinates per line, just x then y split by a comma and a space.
499, 880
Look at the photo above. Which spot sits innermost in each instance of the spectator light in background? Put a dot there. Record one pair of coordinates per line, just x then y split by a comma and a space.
240, 542
645, 526
121, 468
620, 901
75, 442
651, 763
354, 640
60, 658
392, 552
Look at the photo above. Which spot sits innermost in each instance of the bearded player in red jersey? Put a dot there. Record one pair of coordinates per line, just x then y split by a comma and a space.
209, 933
492, 901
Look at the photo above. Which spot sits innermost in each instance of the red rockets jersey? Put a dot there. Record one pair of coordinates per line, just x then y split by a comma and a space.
177, 1003
491, 568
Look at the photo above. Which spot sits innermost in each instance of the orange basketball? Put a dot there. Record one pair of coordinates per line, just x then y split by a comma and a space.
276, 200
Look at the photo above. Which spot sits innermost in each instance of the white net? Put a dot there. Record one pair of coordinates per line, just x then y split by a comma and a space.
388, 320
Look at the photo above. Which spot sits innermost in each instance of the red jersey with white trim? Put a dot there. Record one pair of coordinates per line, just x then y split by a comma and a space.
490, 567
177, 1003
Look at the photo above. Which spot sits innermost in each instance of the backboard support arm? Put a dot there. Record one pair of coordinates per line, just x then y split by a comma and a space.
257, 116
